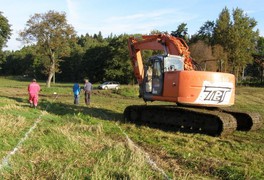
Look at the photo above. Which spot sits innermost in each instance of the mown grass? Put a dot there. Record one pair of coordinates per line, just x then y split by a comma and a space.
80, 142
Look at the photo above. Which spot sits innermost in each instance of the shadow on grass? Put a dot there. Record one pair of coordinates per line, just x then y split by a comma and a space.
62, 109
17, 99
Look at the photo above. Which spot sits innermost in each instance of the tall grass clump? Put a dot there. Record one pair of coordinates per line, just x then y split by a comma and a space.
128, 91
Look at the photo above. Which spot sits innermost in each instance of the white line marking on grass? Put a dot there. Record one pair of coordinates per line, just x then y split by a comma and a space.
149, 160
5, 160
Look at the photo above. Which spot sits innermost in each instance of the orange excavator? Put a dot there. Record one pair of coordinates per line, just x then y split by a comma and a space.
201, 97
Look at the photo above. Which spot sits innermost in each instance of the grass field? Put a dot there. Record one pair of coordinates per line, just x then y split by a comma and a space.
60, 140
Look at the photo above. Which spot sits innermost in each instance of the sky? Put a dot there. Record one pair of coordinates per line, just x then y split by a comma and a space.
123, 16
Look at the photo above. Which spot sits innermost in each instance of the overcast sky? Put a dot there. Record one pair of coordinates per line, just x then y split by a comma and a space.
122, 16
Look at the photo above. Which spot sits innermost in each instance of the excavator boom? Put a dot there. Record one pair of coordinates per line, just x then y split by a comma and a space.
166, 43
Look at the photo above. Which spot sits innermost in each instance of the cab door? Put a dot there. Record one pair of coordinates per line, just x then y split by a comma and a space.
157, 77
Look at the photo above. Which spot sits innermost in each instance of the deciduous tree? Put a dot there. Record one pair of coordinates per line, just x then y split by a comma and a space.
259, 59
5, 30
238, 37
52, 35
202, 54
222, 28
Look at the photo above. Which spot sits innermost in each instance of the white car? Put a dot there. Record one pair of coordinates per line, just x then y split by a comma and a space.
109, 85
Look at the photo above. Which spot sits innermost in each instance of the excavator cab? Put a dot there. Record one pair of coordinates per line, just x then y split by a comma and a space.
166, 80
153, 82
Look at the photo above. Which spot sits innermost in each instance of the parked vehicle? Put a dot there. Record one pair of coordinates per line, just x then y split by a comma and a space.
109, 85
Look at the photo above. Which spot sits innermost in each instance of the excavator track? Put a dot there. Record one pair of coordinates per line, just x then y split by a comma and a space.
246, 121
215, 122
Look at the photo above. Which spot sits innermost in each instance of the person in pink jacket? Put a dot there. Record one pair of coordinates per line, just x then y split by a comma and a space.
33, 90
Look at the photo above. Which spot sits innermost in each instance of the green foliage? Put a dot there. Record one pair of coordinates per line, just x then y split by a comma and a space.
128, 91
5, 30
119, 66
108, 60
94, 62
53, 37
23, 62
71, 68
242, 43
86, 41
260, 46
205, 33
155, 31
232, 40
181, 32
222, 27
238, 38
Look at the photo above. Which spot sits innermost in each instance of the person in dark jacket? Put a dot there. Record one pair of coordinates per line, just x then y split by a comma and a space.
87, 91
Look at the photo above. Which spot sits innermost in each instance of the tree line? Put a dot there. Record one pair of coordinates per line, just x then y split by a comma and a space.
53, 50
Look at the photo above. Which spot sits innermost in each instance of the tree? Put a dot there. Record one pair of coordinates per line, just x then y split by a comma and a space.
181, 32
5, 31
94, 62
202, 54
205, 33
119, 67
242, 42
155, 31
237, 37
100, 37
222, 27
260, 46
71, 66
108, 61
20, 62
88, 41
221, 57
259, 59
53, 37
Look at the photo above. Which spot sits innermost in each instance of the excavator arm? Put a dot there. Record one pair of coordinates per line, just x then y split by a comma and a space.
164, 42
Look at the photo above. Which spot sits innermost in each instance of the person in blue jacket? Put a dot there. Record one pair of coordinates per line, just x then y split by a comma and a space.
76, 91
